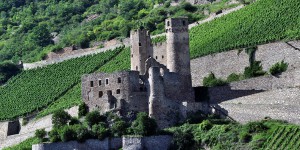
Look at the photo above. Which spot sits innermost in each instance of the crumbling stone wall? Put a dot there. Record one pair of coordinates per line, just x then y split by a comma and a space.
117, 91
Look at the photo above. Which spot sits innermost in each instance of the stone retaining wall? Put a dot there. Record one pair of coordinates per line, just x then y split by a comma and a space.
234, 61
161, 142
74, 54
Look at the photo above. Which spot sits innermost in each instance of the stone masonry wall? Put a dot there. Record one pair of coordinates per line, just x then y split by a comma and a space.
161, 142
28, 130
234, 61
73, 54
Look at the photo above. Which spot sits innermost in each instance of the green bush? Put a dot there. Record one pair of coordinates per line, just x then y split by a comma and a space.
211, 81
254, 70
82, 133
74, 121
82, 110
205, 125
119, 128
183, 139
278, 68
60, 118
245, 137
254, 127
40, 134
67, 133
143, 125
233, 77
100, 131
54, 135
93, 118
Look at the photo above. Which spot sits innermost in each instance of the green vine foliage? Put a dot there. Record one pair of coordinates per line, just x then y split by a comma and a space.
35, 89
261, 22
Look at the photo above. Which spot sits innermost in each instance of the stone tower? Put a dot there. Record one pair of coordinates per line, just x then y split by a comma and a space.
140, 49
178, 54
156, 93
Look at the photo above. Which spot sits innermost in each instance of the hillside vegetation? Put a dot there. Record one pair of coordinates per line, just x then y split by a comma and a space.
220, 135
34, 89
261, 22
28, 27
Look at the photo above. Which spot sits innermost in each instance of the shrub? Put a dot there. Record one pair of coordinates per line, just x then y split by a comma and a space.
93, 118
183, 139
100, 131
60, 118
82, 110
278, 68
40, 134
245, 137
119, 128
254, 127
254, 70
143, 125
205, 125
67, 134
74, 121
54, 135
82, 133
211, 81
233, 77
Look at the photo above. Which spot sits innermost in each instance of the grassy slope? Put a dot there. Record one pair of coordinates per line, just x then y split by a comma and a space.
261, 22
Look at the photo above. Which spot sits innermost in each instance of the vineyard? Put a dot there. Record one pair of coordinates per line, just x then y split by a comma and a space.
73, 96
284, 137
33, 90
261, 22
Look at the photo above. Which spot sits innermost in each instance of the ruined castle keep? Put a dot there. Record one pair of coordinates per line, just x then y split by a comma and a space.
159, 82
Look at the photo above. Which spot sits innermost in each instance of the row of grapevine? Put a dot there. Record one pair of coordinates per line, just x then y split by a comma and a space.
261, 22
33, 90
73, 96
284, 137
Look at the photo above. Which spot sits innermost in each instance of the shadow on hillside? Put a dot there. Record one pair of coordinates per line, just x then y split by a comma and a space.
219, 94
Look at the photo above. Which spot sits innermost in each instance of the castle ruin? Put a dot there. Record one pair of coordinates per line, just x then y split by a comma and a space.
159, 82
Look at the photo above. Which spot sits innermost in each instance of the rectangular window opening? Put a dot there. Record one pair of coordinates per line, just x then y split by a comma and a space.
119, 80
118, 91
91, 84
106, 81
99, 82
100, 94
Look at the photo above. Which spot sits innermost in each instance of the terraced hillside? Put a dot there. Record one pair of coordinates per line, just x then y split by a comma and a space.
261, 22
34, 89
284, 137
73, 96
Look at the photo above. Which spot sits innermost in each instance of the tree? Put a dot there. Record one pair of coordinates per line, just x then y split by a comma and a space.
60, 118
93, 118
119, 128
41, 35
40, 134
7, 70
100, 131
143, 125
